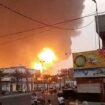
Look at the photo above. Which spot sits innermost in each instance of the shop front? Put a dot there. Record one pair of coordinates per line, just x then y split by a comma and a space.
89, 72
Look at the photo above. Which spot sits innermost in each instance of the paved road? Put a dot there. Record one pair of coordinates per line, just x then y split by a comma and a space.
54, 101
96, 103
53, 98
90, 103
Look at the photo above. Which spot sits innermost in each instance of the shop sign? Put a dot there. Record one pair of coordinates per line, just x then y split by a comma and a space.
94, 72
89, 59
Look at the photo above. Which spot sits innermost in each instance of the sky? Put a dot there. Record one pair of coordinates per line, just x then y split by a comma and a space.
88, 32
21, 48
24, 15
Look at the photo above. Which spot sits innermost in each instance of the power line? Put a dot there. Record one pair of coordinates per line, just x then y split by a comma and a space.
33, 29
66, 21
20, 32
34, 20
7, 42
45, 24
12, 34
83, 26
48, 25
19, 38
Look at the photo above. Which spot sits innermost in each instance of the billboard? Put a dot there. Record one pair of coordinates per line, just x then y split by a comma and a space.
89, 59
93, 72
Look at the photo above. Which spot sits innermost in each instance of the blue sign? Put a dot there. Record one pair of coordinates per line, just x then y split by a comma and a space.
94, 72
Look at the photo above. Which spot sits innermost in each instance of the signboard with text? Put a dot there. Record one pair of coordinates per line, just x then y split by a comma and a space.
89, 59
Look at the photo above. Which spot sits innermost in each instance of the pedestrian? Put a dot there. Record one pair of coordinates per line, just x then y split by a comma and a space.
34, 99
42, 98
61, 99
84, 103
60, 91
49, 102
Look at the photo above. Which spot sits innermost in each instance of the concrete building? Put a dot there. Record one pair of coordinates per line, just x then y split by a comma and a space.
89, 72
17, 79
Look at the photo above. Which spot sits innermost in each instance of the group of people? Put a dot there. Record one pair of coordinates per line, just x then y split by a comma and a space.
61, 99
38, 98
34, 99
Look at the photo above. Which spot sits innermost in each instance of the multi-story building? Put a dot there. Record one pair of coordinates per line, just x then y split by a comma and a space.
89, 72
17, 79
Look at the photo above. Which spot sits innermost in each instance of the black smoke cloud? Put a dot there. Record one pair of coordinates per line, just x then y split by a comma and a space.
23, 48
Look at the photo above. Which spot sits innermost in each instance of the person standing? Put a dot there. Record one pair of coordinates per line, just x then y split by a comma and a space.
49, 102
34, 99
61, 99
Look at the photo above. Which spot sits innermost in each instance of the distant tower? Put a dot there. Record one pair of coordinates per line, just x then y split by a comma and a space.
101, 26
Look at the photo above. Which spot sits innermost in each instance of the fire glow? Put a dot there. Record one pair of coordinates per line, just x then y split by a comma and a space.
46, 59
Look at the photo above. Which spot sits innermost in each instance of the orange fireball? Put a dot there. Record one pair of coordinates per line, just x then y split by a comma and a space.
46, 59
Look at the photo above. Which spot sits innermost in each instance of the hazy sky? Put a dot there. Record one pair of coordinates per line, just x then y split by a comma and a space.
88, 34
17, 16
87, 39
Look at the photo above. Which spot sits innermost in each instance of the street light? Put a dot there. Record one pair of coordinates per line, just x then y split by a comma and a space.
97, 23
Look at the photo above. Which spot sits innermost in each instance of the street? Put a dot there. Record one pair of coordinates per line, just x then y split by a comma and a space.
53, 98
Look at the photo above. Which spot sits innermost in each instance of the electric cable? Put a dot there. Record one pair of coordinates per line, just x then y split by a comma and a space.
19, 38
45, 24
6, 42
33, 29
38, 21
66, 21
19, 32
34, 20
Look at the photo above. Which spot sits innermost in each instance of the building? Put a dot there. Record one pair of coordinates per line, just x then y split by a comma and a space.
89, 72
17, 78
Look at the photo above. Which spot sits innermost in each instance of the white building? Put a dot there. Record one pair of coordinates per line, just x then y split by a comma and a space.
17, 79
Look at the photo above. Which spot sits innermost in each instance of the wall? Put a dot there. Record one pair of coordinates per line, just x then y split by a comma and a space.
21, 99
89, 88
